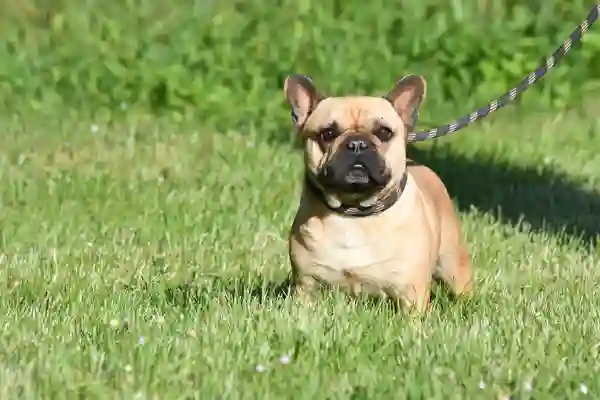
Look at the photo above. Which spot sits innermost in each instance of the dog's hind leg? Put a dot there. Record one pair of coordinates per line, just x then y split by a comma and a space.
455, 269
454, 266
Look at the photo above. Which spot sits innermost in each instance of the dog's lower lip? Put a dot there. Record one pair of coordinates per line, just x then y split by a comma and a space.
357, 176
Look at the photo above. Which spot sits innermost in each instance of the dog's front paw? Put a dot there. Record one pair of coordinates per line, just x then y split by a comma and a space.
304, 290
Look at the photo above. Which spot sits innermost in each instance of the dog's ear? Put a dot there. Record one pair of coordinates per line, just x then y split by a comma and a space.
406, 97
302, 96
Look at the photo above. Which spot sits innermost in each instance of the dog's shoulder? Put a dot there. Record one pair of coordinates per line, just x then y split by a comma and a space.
426, 178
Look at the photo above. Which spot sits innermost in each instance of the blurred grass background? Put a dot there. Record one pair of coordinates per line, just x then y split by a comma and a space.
224, 62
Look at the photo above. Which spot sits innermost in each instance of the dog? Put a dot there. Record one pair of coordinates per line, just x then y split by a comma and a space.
370, 220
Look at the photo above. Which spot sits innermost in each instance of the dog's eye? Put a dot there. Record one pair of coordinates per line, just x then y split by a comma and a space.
329, 133
384, 133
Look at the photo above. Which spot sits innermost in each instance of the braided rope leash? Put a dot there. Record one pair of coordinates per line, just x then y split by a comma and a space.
516, 91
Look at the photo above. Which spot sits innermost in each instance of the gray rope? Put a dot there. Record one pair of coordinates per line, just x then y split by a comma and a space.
516, 91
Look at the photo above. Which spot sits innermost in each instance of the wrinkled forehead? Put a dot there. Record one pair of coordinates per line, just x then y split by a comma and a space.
350, 112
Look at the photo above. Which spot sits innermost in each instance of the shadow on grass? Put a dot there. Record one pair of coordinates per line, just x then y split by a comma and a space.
186, 295
199, 297
545, 200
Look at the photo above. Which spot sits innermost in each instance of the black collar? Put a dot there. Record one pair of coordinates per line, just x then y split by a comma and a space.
359, 211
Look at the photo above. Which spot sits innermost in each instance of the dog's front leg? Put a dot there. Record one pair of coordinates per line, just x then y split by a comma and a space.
305, 287
417, 298
413, 297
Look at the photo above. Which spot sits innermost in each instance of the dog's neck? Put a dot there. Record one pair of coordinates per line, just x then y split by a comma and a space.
382, 204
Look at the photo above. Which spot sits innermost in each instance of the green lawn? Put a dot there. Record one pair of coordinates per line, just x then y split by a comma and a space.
147, 259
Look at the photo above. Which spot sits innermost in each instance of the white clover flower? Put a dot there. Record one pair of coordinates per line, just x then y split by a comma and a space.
285, 359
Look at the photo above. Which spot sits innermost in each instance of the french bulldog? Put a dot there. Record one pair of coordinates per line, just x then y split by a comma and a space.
370, 220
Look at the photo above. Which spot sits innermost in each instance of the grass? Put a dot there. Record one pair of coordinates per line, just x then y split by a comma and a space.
147, 259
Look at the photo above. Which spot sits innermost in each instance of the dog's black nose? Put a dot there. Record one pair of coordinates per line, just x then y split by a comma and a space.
356, 145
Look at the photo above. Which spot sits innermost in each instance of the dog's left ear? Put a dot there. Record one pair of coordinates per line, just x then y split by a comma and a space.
407, 96
302, 96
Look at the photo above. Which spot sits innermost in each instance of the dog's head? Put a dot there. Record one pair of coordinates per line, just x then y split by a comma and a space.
355, 146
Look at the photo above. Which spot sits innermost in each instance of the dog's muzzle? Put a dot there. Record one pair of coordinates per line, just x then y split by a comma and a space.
357, 167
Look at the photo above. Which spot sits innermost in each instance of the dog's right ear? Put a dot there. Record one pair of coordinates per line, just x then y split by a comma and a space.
302, 97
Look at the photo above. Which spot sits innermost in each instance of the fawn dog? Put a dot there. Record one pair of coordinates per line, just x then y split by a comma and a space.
370, 220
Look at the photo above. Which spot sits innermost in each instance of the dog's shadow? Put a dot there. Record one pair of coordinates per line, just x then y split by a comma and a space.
540, 199
266, 291
199, 296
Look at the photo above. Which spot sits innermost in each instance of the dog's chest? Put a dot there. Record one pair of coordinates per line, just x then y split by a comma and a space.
341, 252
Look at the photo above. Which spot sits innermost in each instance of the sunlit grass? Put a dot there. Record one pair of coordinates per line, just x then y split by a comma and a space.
147, 259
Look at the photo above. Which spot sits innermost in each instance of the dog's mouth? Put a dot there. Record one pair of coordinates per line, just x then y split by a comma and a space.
356, 179
357, 175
